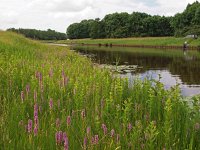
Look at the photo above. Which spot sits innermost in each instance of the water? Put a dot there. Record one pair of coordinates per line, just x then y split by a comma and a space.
173, 66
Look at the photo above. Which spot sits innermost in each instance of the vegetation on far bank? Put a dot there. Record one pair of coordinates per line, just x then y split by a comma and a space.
39, 34
137, 24
164, 41
52, 98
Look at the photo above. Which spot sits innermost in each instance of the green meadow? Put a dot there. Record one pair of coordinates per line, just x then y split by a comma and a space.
163, 41
53, 98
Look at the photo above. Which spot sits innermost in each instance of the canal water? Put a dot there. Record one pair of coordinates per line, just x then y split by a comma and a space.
171, 67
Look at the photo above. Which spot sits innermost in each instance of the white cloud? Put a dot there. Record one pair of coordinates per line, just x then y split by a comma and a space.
58, 14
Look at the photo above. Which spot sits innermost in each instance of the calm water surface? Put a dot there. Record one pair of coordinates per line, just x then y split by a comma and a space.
173, 66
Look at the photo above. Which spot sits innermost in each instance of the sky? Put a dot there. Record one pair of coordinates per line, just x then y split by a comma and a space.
59, 14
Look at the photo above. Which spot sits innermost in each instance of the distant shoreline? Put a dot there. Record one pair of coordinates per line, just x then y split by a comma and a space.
148, 42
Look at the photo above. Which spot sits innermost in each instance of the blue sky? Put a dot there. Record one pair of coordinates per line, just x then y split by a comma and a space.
58, 14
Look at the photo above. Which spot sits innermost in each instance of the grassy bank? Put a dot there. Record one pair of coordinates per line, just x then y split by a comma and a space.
51, 98
164, 41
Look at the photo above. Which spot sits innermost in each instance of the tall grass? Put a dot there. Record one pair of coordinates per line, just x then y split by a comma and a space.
52, 98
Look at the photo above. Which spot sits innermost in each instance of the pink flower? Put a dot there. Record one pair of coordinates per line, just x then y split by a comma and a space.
112, 133
35, 130
63, 72
35, 110
65, 81
30, 125
96, 138
88, 130
66, 142
59, 137
85, 143
93, 140
40, 77
36, 120
68, 120
104, 129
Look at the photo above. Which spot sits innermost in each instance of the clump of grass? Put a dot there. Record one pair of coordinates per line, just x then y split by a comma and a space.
52, 98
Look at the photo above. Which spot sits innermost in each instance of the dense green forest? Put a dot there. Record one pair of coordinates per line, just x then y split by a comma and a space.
40, 35
120, 25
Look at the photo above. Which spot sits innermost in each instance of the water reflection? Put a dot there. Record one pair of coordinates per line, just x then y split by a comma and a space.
174, 66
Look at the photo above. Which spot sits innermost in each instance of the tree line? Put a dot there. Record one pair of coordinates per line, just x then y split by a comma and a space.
137, 24
39, 34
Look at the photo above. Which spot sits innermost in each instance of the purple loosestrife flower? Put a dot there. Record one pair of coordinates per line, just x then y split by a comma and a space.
35, 110
35, 130
51, 103
30, 125
64, 136
63, 72
36, 121
85, 142
22, 96
64, 81
96, 138
129, 127
68, 120
88, 130
104, 129
40, 77
93, 140
112, 133
57, 122
59, 137
27, 89
66, 141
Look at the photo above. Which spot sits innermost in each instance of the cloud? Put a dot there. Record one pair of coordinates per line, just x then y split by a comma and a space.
58, 14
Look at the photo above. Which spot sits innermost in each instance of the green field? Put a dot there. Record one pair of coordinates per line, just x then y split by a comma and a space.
52, 98
164, 41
